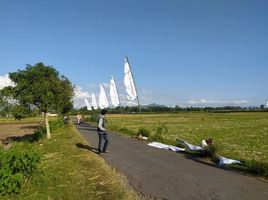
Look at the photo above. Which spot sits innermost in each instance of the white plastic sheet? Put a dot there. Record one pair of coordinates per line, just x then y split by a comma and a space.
165, 146
190, 146
227, 161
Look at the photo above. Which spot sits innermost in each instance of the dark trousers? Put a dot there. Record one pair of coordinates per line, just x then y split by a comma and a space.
103, 136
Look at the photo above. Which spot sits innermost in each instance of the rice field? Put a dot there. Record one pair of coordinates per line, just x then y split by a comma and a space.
242, 136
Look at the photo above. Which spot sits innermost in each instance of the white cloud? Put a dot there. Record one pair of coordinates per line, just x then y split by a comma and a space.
5, 81
239, 102
146, 92
210, 102
106, 85
146, 97
92, 85
79, 97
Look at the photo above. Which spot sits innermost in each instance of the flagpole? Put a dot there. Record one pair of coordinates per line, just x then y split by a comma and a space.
135, 90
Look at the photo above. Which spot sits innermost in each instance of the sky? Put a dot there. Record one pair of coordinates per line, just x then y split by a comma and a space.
182, 52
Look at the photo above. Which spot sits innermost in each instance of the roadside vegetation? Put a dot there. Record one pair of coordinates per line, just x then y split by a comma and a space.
64, 168
240, 135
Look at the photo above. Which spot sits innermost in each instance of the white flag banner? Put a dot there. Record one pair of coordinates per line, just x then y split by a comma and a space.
94, 101
88, 104
113, 93
129, 82
103, 102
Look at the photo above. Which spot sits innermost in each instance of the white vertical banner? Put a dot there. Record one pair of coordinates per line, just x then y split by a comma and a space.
129, 82
113, 93
103, 102
88, 104
94, 101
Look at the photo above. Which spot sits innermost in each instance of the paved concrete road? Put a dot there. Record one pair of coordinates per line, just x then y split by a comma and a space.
165, 174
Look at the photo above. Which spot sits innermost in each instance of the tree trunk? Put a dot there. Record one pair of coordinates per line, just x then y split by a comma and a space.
47, 126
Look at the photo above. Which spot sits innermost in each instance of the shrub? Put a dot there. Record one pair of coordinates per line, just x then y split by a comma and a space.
16, 164
94, 118
144, 132
38, 134
161, 130
19, 112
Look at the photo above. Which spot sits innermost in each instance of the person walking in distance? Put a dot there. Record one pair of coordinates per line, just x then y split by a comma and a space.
102, 133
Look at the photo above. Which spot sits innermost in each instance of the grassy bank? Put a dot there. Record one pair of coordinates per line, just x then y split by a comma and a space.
68, 170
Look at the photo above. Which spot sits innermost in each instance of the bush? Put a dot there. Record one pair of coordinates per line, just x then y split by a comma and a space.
144, 132
16, 164
19, 112
161, 130
94, 118
38, 134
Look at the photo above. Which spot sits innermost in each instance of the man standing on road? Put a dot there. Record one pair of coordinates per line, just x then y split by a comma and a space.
102, 133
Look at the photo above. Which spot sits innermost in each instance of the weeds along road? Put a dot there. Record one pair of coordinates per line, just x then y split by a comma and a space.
162, 174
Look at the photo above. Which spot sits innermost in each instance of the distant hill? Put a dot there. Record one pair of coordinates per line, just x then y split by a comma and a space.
153, 105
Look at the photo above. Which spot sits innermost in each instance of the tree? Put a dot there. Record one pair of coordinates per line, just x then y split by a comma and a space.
19, 112
262, 106
42, 87
5, 107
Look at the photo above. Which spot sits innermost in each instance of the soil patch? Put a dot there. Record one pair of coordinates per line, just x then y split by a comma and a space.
17, 129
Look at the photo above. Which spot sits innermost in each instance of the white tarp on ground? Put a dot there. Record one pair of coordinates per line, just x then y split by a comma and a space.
227, 161
190, 146
165, 146
222, 160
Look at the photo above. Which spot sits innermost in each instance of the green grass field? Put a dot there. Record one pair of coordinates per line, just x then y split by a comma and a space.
242, 136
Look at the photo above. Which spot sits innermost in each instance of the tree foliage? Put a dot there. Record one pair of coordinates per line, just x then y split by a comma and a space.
20, 112
41, 86
5, 107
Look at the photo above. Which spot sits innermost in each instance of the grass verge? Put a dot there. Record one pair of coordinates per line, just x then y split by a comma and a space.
68, 170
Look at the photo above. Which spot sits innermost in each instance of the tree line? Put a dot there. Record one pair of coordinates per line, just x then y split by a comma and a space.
166, 109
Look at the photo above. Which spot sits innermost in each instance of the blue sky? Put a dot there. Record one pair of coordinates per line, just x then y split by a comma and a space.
199, 53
